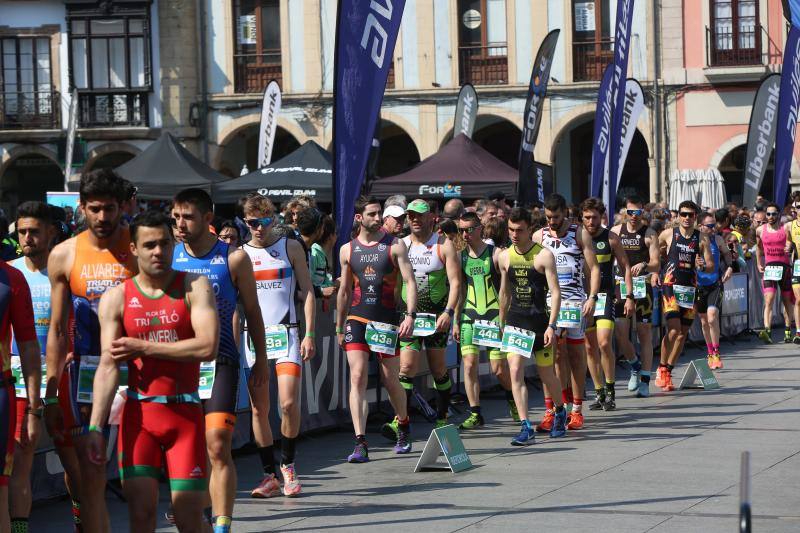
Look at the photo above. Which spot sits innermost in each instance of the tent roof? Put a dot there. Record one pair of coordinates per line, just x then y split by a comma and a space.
165, 168
460, 169
307, 170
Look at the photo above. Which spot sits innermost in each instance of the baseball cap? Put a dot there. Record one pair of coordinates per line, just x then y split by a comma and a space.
393, 211
418, 206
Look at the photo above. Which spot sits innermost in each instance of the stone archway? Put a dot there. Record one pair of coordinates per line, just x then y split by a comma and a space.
28, 173
240, 149
110, 155
398, 151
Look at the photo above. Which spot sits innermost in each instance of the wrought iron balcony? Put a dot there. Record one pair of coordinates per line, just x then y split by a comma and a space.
483, 65
731, 47
254, 71
110, 109
589, 59
30, 110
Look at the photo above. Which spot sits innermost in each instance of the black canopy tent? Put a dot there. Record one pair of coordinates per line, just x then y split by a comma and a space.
461, 169
166, 168
306, 171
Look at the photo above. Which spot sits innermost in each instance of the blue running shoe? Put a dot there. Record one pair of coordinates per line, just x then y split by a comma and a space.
360, 454
559, 424
633, 383
526, 435
403, 442
643, 390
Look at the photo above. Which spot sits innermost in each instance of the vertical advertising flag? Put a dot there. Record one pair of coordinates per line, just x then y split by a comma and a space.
72, 127
529, 190
791, 10
602, 130
366, 32
270, 108
631, 111
466, 111
760, 136
788, 104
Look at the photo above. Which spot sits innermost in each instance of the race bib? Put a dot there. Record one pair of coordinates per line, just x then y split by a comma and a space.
796, 268
277, 340
206, 382
486, 333
424, 325
600, 305
382, 338
639, 287
684, 296
773, 273
518, 341
19, 386
86, 372
570, 315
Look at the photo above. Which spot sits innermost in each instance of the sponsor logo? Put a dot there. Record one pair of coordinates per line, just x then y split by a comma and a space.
287, 192
374, 32
274, 253
447, 191
381, 247
369, 273
134, 303
537, 93
182, 258
601, 245
218, 260
196, 472
469, 101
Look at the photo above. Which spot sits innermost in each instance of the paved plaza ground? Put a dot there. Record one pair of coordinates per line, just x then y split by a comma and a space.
666, 463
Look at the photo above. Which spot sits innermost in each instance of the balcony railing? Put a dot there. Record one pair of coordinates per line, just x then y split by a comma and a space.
483, 65
254, 71
110, 109
729, 47
30, 110
589, 59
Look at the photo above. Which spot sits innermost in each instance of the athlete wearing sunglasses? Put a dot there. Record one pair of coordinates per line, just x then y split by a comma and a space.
772, 258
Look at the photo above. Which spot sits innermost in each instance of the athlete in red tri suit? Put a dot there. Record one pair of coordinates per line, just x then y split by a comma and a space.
16, 311
162, 323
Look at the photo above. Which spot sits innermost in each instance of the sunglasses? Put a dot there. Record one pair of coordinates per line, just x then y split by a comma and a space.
468, 230
687, 214
772, 213
634, 212
254, 223
710, 226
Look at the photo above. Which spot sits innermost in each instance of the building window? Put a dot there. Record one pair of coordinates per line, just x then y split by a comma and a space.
734, 37
592, 43
482, 44
257, 53
27, 99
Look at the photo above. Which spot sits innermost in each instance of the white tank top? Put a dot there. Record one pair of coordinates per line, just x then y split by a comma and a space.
275, 282
569, 262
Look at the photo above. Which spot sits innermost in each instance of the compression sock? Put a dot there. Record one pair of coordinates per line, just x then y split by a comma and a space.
577, 405
361, 439
570, 395
408, 385
76, 515
710, 349
610, 392
222, 524
267, 456
475, 409
509, 395
715, 347
600, 392
287, 449
404, 424
644, 376
669, 368
443, 386
548, 404
19, 525
565, 396
636, 365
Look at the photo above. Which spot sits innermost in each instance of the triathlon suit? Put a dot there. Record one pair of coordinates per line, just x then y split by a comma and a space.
276, 284
162, 421
481, 302
569, 266
528, 309
373, 300
221, 407
604, 318
794, 234
93, 273
635, 246
679, 270
432, 289
774, 243
16, 311
709, 286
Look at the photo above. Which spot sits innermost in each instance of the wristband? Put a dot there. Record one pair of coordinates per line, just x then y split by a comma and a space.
98, 429
51, 400
339, 331
309, 334
450, 312
553, 326
412, 314
36, 412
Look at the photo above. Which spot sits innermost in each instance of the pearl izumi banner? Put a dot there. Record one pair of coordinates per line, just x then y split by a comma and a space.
602, 130
631, 111
529, 189
787, 113
466, 111
366, 32
269, 123
761, 136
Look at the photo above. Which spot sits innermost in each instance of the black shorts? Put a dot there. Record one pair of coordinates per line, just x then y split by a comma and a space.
536, 323
709, 296
220, 409
608, 312
355, 339
644, 307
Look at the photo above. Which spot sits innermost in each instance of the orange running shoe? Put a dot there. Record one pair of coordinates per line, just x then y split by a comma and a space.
712, 363
668, 386
268, 488
660, 376
547, 422
718, 361
575, 420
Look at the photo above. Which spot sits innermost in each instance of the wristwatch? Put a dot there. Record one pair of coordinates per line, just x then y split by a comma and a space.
595, 297
630, 297
450, 312
553, 326
412, 314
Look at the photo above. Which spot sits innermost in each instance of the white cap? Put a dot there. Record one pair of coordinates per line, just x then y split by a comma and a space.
394, 211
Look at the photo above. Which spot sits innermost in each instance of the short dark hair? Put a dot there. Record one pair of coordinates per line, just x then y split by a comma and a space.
38, 210
152, 218
689, 204
471, 217
308, 221
773, 204
634, 199
229, 224
593, 204
520, 214
705, 214
102, 183
555, 202
448, 226
196, 197
722, 214
129, 189
328, 228
363, 201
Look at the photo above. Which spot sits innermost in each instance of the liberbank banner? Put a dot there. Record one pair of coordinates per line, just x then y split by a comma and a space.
761, 136
366, 32
466, 111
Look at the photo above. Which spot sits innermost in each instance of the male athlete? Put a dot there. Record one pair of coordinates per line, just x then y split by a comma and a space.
479, 304
280, 267
162, 324
773, 263
367, 321
600, 355
641, 247
436, 271
36, 231
710, 288
685, 249
792, 229
231, 276
572, 246
81, 269
527, 273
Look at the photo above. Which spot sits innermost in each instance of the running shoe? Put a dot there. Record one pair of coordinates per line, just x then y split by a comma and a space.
787, 336
512, 411
268, 488
575, 420
764, 335
710, 360
360, 454
440, 423
644, 390
390, 430
559, 424
718, 361
598, 402
796, 338
610, 404
660, 376
403, 442
668, 386
291, 485
547, 422
526, 435
473, 421
633, 383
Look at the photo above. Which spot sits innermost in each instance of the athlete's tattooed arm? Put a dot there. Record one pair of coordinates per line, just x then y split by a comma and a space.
298, 260
400, 255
